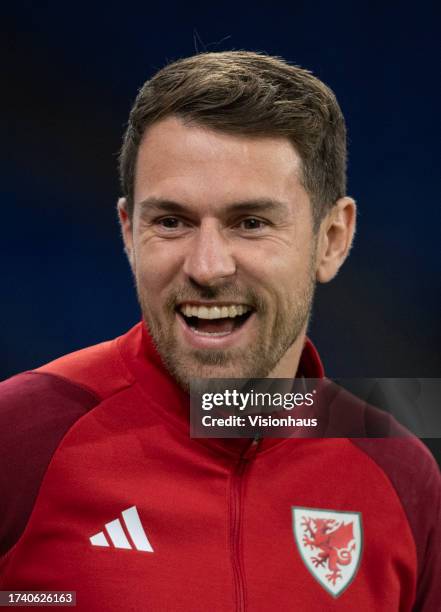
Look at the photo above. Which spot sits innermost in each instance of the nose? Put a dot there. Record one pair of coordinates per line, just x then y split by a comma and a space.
209, 259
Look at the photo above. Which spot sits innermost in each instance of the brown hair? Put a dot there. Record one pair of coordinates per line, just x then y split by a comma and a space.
242, 92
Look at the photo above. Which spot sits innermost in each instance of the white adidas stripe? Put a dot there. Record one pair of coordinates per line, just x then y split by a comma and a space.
136, 530
99, 539
117, 536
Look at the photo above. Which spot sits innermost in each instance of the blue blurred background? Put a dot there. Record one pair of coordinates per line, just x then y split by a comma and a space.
72, 72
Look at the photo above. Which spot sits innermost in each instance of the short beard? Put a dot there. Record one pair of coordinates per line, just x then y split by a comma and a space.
257, 361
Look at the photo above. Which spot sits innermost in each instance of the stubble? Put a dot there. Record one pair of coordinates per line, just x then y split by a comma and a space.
276, 333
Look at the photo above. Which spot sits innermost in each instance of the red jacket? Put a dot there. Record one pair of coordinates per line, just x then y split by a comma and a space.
104, 493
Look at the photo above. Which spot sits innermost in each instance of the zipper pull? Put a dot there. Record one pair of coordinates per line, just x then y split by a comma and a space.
252, 448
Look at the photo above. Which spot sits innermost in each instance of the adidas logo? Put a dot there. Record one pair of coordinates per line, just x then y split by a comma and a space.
128, 533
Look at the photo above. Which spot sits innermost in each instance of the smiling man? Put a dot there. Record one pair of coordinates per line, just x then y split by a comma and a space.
224, 250
234, 205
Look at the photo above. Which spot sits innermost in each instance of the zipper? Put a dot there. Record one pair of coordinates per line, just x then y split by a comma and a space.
236, 521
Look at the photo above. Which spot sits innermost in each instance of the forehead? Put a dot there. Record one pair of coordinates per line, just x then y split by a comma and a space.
203, 167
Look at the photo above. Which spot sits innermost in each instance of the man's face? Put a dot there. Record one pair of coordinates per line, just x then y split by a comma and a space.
222, 248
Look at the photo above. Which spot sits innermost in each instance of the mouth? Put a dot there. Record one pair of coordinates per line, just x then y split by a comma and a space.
214, 320
214, 326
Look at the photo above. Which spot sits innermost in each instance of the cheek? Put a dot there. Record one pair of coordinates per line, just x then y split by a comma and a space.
276, 267
288, 282
157, 265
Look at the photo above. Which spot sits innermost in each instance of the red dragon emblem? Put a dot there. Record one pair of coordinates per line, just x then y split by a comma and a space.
330, 543
332, 539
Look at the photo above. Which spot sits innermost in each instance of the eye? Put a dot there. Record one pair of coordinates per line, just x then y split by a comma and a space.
169, 223
252, 223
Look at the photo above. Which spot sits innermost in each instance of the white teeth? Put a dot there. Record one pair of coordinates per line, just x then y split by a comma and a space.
203, 313
214, 312
224, 312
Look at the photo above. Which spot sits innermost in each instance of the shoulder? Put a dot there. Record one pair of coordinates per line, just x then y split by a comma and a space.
409, 467
98, 369
37, 409
401, 456
50, 398
415, 476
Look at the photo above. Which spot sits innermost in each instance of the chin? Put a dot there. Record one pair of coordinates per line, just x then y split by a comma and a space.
228, 370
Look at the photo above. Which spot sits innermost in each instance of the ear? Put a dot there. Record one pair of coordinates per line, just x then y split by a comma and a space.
126, 229
335, 239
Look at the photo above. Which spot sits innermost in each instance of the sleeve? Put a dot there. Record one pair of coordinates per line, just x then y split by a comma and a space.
416, 478
428, 597
36, 410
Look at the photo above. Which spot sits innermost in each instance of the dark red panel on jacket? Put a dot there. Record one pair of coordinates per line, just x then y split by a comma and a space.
36, 410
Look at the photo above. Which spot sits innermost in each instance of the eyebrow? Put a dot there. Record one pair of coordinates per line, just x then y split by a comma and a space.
260, 205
